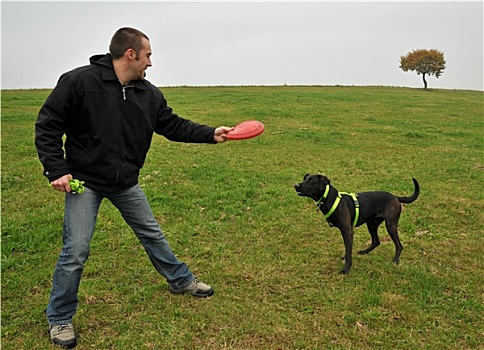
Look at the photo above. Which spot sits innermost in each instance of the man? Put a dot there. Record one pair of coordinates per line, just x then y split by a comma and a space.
108, 113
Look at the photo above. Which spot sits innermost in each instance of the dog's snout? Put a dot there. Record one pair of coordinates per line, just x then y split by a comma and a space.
299, 189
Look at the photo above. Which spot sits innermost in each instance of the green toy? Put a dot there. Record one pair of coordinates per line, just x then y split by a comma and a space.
76, 186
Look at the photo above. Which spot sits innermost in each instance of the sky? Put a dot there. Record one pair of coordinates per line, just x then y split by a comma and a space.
249, 43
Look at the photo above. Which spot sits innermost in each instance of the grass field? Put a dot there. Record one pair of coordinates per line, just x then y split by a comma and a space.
230, 211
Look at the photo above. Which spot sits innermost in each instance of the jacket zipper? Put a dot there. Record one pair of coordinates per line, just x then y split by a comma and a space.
124, 90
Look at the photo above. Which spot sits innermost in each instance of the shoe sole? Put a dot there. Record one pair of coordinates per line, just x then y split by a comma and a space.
195, 294
67, 344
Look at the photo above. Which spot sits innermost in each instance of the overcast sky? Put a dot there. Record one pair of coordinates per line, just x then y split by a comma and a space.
249, 43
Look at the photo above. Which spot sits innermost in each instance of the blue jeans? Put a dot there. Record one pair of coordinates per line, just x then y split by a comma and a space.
79, 222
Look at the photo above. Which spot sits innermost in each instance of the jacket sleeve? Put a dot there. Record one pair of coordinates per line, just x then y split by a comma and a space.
50, 129
176, 128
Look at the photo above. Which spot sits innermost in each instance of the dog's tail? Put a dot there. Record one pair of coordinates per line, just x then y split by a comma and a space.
414, 196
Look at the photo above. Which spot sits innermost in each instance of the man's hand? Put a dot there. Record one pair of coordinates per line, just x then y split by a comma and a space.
220, 134
62, 183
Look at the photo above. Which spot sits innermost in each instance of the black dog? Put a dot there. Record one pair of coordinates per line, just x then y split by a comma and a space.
346, 210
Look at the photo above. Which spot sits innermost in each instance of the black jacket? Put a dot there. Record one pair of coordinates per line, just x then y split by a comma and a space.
108, 128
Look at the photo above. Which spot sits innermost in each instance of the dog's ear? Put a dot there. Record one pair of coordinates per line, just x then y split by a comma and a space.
323, 181
305, 176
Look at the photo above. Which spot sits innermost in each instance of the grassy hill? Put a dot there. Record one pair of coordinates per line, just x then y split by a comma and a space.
230, 211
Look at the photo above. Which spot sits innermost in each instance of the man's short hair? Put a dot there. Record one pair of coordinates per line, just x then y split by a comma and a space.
124, 39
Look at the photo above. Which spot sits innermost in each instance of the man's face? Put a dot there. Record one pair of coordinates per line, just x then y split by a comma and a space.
142, 61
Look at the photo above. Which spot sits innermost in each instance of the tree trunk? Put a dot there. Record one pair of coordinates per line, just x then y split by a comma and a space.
425, 81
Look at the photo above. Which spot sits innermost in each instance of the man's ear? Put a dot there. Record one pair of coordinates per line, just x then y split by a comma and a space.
130, 54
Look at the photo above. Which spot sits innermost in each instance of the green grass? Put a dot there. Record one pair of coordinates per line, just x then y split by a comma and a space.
230, 211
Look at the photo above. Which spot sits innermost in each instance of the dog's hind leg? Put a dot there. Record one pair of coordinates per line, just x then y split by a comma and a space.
392, 215
392, 229
373, 229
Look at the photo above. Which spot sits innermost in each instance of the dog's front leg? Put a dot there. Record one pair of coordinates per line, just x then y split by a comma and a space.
347, 234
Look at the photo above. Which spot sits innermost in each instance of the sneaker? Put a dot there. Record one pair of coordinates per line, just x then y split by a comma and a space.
196, 288
63, 334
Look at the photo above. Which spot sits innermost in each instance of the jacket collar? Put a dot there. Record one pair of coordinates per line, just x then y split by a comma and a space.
105, 62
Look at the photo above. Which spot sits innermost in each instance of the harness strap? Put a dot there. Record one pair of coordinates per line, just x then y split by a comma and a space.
321, 200
336, 203
357, 206
333, 208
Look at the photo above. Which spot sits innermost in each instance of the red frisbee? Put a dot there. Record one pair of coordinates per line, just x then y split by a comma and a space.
246, 130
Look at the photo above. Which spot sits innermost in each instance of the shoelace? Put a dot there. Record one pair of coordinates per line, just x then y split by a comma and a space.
62, 327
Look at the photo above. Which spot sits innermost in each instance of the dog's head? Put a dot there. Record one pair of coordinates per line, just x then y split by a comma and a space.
312, 186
